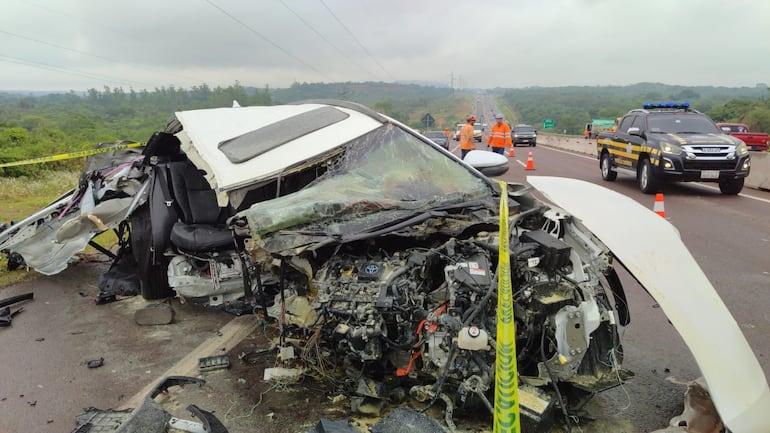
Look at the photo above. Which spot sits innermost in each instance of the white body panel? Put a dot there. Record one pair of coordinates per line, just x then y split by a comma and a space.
205, 129
663, 265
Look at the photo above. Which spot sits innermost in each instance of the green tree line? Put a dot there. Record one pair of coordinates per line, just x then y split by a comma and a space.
572, 107
35, 126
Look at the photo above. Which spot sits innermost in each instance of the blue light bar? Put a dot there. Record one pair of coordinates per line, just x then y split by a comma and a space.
650, 105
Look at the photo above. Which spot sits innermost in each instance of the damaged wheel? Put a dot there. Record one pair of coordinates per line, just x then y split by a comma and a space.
153, 275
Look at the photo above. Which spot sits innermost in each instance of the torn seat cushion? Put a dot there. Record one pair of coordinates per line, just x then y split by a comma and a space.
201, 237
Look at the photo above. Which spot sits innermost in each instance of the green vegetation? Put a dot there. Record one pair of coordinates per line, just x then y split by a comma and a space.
573, 107
24, 195
406, 103
57, 123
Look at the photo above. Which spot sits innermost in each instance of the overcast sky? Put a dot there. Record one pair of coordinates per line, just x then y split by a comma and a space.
79, 44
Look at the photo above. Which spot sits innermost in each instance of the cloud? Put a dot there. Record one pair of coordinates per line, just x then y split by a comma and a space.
148, 43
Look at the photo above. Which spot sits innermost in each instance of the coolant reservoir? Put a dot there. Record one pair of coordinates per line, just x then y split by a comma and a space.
473, 338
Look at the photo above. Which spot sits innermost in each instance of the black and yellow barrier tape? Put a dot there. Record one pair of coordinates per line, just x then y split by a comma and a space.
506, 416
70, 155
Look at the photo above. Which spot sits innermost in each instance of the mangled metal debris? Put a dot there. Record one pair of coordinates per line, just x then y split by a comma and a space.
7, 313
699, 414
375, 252
149, 417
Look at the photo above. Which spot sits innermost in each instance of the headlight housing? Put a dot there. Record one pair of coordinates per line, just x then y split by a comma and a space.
670, 149
741, 149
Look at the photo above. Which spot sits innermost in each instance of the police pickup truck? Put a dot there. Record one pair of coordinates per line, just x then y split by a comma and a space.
672, 142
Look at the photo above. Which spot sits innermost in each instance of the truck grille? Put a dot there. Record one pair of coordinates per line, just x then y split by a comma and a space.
709, 165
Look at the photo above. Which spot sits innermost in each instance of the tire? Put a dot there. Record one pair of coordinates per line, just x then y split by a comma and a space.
731, 187
152, 276
605, 165
647, 182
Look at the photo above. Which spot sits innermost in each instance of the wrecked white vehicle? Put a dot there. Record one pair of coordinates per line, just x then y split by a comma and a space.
376, 251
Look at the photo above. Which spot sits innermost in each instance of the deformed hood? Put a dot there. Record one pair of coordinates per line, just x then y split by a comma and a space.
662, 264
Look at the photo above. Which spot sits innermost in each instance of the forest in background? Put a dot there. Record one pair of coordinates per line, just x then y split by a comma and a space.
572, 107
35, 125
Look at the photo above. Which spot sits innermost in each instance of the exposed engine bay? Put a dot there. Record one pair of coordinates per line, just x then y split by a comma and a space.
421, 321
376, 253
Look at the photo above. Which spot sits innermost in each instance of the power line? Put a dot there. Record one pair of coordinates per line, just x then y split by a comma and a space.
357, 41
266, 39
323, 37
59, 12
84, 53
51, 44
49, 67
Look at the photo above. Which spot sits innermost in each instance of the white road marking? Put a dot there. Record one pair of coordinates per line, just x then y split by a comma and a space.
713, 188
593, 158
232, 333
521, 163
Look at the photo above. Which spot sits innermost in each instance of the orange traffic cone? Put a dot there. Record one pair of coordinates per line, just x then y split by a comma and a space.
530, 162
511, 153
659, 208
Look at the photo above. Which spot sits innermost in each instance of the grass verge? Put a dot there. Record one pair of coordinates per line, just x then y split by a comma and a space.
22, 196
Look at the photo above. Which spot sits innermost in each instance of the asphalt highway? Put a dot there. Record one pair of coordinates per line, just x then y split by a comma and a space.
729, 236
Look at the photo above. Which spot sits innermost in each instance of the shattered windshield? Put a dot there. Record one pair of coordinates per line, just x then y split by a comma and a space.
386, 169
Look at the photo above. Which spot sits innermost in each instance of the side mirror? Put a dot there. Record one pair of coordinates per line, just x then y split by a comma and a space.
635, 131
726, 130
488, 163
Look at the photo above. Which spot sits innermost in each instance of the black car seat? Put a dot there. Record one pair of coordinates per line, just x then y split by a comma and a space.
201, 222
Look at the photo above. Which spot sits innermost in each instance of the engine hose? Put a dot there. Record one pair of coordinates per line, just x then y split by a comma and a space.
480, 362
441, 380
483, 303
521, 215
400, 346
448, 413
553, 382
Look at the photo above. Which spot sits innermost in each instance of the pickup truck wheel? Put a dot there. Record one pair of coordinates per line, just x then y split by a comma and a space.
647, 182
731, 187
605, 165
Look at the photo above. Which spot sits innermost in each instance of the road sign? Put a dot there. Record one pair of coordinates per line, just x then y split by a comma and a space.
428, 120
548, 123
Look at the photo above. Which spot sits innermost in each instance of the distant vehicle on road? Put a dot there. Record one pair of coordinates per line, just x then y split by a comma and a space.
439, 138
524, 134
754, 140
478, 131
671, 142
596, 126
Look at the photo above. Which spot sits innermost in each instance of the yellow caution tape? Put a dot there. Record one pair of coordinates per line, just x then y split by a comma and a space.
71, 155
506, 374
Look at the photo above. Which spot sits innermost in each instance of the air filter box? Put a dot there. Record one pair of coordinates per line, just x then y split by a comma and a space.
554, 252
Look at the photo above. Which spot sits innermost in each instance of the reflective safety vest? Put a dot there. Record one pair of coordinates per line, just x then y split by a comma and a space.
466, 137
500, 136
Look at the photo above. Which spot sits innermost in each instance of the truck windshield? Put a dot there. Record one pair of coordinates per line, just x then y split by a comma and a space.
681, 124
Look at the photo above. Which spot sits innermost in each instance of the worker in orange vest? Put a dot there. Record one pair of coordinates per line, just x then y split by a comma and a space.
448, 136
500, 136
466, 136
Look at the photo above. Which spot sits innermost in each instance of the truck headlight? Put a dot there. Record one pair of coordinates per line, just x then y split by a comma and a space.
742, 149
671, 149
